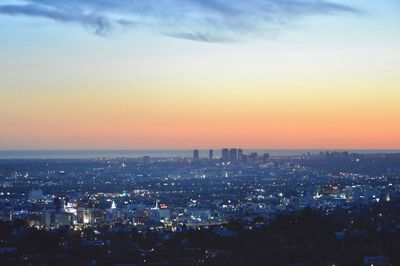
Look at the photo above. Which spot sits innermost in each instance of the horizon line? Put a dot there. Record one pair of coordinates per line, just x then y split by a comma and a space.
200, 148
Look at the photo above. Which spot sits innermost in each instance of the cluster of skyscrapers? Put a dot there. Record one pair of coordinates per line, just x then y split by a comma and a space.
231, 155
196, 155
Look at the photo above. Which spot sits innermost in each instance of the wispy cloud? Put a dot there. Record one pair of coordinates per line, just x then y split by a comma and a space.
200, 20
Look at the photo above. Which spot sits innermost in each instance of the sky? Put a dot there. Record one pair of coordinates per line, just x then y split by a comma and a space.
172, 74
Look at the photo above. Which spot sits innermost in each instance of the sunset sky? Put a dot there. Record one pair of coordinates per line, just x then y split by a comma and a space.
160, 74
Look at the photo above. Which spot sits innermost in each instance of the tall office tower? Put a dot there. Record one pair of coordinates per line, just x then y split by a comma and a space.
240, 155
225, 155
196, 155
233, 155
211, 154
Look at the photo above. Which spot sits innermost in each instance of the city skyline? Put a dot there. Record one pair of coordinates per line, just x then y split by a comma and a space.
260, 74
199, 132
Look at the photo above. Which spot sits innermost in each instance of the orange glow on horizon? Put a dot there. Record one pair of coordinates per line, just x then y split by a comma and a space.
288, 112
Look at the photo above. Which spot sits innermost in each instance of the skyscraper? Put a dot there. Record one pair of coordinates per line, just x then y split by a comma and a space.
233, 155
211, 154
225, 155
240, 155
196, 155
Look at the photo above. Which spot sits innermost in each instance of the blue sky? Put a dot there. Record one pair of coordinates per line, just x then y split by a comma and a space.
202, 20
64, 64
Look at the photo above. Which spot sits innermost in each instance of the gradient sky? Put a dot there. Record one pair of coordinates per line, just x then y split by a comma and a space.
138, 74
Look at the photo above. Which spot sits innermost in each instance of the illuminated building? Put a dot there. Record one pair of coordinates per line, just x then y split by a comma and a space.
112, 214
87, 216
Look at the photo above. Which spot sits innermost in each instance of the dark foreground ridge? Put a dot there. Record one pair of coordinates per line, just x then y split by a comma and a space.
366, 236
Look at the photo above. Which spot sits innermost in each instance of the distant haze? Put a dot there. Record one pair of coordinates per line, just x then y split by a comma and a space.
93, 154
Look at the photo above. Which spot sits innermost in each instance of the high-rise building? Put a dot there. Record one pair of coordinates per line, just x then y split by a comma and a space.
240, 155
87, 216
233, 155
196, 155
225, 155
211, 154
